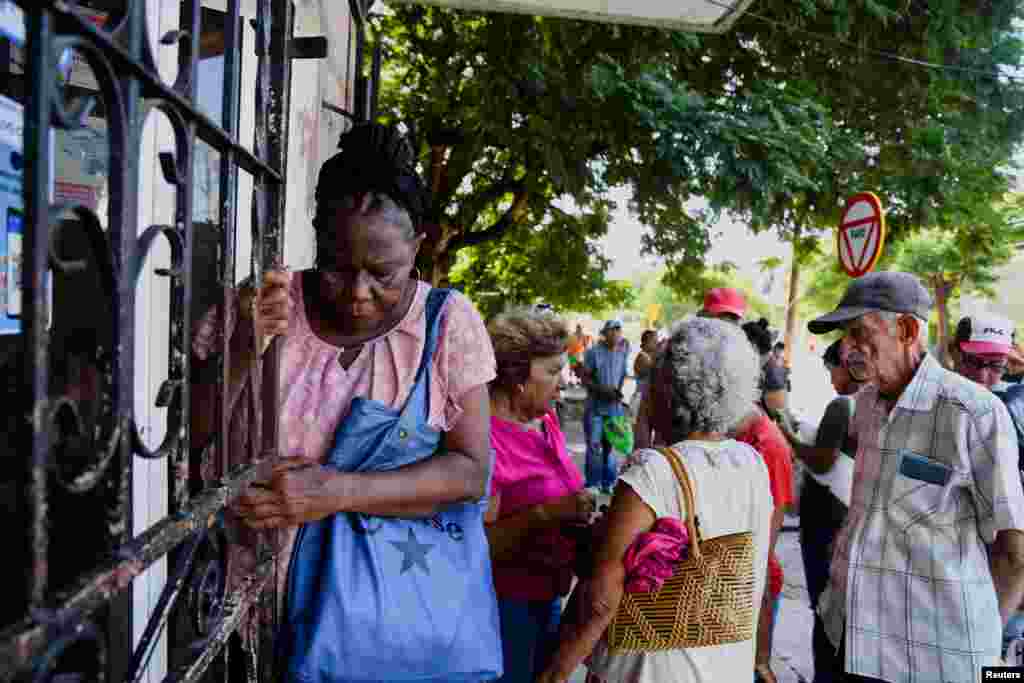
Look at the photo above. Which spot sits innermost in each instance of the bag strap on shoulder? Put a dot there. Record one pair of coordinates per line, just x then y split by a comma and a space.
689, 502
436, 299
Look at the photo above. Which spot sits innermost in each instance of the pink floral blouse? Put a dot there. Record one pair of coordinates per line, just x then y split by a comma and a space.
316, 391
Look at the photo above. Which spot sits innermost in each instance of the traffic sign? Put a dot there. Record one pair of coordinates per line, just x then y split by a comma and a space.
861, 234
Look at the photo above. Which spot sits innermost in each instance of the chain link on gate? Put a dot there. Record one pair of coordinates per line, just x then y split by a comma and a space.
80, 628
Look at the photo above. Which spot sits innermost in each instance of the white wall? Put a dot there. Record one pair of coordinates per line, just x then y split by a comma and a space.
314, 132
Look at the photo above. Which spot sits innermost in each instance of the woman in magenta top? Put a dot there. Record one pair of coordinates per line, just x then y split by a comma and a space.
536, 491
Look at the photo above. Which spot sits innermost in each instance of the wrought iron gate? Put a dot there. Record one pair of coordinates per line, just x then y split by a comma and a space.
68, 464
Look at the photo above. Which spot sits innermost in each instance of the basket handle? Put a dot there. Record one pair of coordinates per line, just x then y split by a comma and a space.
686, 496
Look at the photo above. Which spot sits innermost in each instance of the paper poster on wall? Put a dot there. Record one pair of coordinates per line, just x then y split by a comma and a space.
81, 162
12, 261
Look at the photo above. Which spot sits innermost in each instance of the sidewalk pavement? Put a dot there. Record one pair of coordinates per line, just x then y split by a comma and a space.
791, 652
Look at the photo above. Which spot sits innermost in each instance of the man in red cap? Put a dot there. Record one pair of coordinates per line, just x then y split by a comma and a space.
724, 303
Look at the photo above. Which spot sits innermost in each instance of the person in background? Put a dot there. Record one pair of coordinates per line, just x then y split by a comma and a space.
579, 339
536, 489
981, 352
935, 526
981, 349
724, 303
576, 347
1015, 364
604, 371
774, 377
761, 432
778, 360
642, 367
822, 509
705, 381
779, 353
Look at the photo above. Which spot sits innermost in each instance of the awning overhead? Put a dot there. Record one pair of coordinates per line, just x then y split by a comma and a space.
703, 16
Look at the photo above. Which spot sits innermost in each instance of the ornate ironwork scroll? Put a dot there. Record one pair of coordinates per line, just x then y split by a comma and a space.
69, 446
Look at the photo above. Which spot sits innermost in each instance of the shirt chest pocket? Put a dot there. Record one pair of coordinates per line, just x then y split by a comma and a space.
921, 488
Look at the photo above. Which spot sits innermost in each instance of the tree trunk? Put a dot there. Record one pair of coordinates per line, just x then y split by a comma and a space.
444, 240
792, 306
942, 289
442, 266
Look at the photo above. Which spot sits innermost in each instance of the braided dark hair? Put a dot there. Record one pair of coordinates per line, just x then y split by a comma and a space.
374, 171
759, 335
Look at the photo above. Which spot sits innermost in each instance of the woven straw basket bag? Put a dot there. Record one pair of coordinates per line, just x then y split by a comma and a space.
709, 600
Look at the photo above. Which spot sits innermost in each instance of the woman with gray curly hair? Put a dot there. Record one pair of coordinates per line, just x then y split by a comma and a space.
537, 493
703, 385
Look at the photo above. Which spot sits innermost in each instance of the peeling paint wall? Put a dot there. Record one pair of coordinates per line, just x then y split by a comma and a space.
314, 131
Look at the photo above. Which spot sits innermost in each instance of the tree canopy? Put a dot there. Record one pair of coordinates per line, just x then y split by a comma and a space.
775, 121
557, 263
950, 262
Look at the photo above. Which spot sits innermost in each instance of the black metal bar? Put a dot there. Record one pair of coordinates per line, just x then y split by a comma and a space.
358, 11
122, 133
125, 169
181, 288
20, 644
233, 68
36, 255
236, 607
272, 233
375, 77
228, 209
168, 596
153, 87
348, 64
130, 88
359, 100
84, 631
272, 247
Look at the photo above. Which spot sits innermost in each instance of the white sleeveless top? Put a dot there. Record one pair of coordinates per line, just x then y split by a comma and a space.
730, 484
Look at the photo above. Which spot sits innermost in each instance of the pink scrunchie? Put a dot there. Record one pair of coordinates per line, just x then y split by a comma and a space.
651, 558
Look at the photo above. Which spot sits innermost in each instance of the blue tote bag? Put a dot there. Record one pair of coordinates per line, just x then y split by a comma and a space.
384, 598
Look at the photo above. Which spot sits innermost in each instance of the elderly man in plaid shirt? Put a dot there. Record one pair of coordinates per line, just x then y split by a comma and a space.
930, 561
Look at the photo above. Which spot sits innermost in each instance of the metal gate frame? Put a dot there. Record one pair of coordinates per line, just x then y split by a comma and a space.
130, 87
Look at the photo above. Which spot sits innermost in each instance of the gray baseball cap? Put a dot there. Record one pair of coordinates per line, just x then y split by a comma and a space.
880, 291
